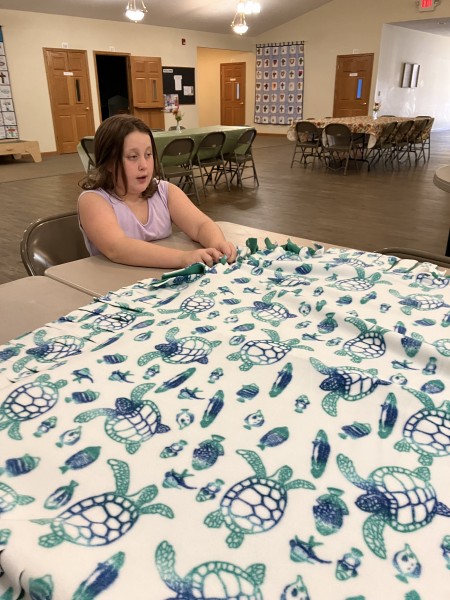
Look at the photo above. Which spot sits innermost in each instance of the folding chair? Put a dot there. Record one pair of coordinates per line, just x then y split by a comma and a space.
209, 159
52, 241
87, 144
419, 255
308, 143
338, 146
241, 158
176, 163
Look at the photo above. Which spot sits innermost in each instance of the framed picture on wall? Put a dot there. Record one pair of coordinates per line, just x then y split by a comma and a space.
415, 75
406, 77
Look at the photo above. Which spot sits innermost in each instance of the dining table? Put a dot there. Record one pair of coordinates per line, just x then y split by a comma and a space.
441, 180
274, 428
162, 138
30, 302
372, 127
96, 275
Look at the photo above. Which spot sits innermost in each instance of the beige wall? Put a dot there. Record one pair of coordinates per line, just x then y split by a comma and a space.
208, 83
339, 27
25, 34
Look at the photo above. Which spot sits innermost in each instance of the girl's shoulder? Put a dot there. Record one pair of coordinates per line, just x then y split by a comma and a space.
100, 192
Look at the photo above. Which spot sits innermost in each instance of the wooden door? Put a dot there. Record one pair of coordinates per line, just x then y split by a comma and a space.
146, 81
70, 97
352, 85
232, 93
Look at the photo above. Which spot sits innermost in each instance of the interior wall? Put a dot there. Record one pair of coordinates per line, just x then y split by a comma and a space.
432, 95
340, 27
26, 34
208, 82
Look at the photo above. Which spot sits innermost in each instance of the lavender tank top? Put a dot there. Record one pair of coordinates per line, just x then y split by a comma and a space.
158, 226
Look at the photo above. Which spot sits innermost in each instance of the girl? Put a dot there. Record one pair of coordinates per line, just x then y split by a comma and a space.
125, 205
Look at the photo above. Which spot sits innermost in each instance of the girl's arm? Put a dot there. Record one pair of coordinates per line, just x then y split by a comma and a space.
194, 223
100, 224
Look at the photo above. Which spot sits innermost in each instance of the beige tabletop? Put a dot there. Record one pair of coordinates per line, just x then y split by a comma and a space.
97, 275
31, 302
442, 178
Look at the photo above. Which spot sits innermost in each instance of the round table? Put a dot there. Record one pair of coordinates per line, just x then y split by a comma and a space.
442, 180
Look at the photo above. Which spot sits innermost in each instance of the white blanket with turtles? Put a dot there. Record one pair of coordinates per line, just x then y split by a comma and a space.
278, 428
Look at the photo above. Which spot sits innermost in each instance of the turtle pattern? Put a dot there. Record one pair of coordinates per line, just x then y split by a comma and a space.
132, 422
112, 322
28, 401
370, 342
421, 302
9, 498
220, 580
427, 432
403, 499
181, 351
348, 383
360, 283
193, 305
103, 519
264, 352
255, 504
267, 311
53, 350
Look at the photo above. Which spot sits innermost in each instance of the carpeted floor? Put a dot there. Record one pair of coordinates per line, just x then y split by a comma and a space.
25, 168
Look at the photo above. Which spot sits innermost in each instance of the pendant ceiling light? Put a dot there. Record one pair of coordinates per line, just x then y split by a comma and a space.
239, 24
134, 13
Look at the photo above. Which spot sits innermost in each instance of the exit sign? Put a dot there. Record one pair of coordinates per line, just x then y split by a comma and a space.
427, 4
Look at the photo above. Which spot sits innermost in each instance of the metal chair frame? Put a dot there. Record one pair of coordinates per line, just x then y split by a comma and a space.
338, 146
209, 159
308, 143
176, 163
419, 255
241, 158
401, 141
51, 241
383, 147
88, 146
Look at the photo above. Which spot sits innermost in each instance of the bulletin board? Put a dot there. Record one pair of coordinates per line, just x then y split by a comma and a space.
181, 81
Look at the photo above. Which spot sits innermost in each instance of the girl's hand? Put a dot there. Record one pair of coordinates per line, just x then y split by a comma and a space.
207, 256
228, 249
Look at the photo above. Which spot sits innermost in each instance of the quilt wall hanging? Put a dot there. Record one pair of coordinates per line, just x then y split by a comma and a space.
8, 123
280, 72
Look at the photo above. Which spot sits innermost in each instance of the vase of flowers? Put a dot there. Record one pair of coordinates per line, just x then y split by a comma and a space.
376, 108
178, 116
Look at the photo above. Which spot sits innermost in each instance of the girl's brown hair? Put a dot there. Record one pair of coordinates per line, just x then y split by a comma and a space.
108, 151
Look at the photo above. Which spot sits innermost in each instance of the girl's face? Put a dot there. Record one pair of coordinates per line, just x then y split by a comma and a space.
138, 162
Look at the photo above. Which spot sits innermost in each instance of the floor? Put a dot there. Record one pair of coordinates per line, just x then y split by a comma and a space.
369, 211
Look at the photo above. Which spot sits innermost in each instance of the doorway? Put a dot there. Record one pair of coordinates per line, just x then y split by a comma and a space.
232, 93
352, 85
112, 83
70, 97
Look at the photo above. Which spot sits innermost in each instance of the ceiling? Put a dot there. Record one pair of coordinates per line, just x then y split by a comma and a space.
435, 26
213, 16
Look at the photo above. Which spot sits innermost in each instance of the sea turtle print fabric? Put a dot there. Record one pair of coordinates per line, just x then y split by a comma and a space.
274, 429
